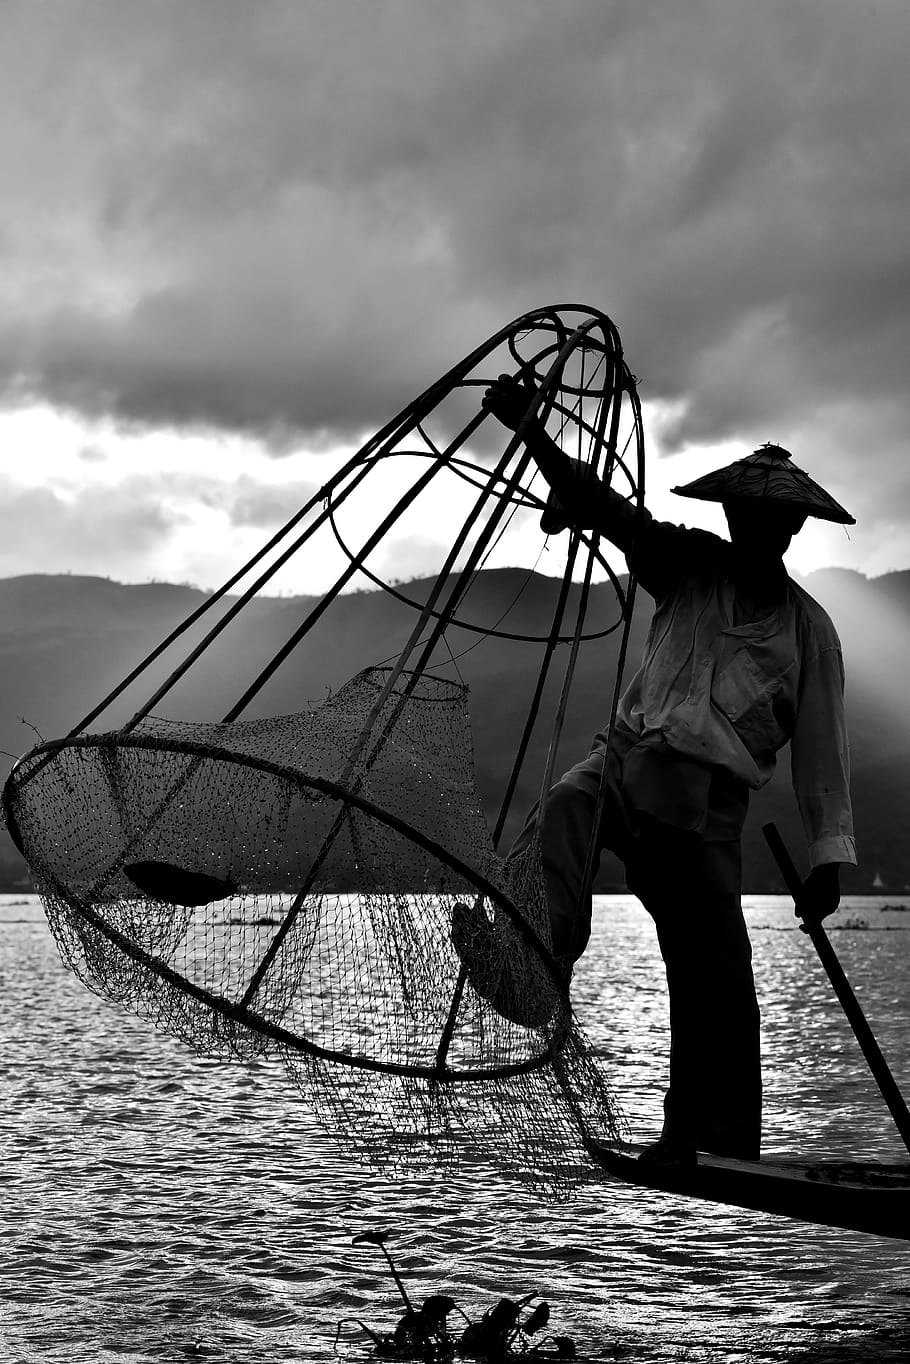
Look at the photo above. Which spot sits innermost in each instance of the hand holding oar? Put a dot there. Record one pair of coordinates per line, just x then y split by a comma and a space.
842, 988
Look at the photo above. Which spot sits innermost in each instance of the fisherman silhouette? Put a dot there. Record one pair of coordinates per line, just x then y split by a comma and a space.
739, 661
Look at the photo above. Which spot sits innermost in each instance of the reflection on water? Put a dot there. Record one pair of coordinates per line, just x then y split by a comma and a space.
158, 1206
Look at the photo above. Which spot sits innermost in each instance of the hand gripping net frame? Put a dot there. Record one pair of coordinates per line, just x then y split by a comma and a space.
288, 885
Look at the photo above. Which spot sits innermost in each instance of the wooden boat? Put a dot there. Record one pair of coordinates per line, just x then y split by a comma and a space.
855, 1195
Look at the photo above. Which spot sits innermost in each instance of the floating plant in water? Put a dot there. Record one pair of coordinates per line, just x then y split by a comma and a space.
423, 1333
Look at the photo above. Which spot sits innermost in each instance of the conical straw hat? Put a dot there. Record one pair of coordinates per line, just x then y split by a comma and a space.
768, 474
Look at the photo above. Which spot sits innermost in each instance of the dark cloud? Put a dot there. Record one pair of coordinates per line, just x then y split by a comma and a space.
291, 218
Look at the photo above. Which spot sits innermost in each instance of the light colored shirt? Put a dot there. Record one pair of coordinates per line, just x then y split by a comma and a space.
730, 694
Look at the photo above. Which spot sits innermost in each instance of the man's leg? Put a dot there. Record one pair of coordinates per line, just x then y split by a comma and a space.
565, 839
714, 1099
564, 832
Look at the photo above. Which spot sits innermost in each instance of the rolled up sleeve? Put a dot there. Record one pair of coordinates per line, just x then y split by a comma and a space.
820, 760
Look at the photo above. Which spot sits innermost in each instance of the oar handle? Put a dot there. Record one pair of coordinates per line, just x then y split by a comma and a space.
785, 863
844, 991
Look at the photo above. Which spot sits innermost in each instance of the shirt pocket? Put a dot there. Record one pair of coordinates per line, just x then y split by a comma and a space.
746, 694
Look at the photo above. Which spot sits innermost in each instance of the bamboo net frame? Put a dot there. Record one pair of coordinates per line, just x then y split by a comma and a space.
360, 810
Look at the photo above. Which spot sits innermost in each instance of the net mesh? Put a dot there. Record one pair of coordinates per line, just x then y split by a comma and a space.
288, 886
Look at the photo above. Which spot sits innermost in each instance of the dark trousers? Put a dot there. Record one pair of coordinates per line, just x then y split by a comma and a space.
690, 887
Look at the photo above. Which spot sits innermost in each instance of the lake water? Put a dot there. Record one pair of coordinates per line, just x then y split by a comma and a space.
158, 1206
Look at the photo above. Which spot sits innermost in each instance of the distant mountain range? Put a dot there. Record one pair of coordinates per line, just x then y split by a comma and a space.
66, 640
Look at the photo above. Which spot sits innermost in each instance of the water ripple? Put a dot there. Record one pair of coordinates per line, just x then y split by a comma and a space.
158, 1206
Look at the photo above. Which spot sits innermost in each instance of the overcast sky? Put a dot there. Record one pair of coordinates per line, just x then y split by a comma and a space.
237, 237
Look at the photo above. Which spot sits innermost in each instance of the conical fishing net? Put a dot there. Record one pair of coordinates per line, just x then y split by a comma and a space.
324, 887
274, 818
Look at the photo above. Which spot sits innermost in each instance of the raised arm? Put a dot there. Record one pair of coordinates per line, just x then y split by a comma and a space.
579, 497
660, 555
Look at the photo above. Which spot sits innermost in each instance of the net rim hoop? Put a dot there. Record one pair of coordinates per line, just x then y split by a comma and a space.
335, 790
249, 1018
489, 632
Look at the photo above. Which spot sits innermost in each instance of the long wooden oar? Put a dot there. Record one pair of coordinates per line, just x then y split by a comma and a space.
842, 988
